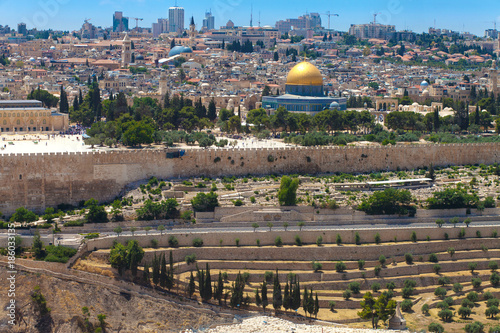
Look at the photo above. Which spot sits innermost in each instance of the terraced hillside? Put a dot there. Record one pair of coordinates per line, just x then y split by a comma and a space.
440, 273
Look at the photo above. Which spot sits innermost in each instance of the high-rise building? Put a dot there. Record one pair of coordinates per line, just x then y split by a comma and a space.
372, 30
21, 29
160, 27
308, 21
120, 23
176, 20
209, 21
491, 33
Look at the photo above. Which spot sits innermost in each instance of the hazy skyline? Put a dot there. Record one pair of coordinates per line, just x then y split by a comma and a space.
414, 15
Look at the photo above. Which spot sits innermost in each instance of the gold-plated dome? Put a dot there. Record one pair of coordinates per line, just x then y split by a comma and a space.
304, 74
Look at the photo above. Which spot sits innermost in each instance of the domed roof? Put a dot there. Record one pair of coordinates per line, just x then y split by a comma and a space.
304, 74
178, 50
139, 57
334, 105
424, 83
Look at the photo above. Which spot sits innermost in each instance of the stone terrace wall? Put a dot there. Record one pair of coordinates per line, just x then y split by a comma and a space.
37, 181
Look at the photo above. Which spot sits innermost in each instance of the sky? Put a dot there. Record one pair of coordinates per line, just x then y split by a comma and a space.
418, 16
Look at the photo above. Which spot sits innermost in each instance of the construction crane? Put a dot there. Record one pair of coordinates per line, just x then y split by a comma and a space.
329, 15
136, 21
87, 20
375, 18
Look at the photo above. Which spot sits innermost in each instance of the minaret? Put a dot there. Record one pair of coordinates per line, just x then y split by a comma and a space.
126, 51
493, 74
163, 84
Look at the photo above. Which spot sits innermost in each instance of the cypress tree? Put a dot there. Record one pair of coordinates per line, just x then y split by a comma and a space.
316, 306
296, 295
80, 97
208, 284
286, 297
171, 263
477, 118
156, 270
75, 104
63, 102
163, 272
212, 110
265, 302
166, 100
277, 296
310, 303
304, 301
145, 274
201, 283
219, 290
191, 285
258, 300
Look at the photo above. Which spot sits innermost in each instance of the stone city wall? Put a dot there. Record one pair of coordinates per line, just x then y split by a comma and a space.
37, 181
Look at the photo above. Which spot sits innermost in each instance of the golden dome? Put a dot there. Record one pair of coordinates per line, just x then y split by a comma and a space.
304, 74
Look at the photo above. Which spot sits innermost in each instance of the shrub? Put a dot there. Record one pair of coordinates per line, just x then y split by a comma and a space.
425, 309
77, 223
475, 327
377, 270
346, 294
467, 303
464, 312
492, 302
472, 266
319, 240
435, 328
472, 296
495, 279
173, 242
355, 287
494, 329
488, 295
406, 305
449, 301
154, 243
190, 259
478, 234
317, 266
461, 233
357, 238
493, 265
257, 241
413, 236
197, 242
476, 282
433, 257
375, 287
237, 241
338, 239
436, 268
409, 258
278, 241
445, 315
440, 292
444, 280
268, 276
331, 305
361, 264
298, 240
442, 305
340, 266
382, 259
390, 285
245, 277
377, 238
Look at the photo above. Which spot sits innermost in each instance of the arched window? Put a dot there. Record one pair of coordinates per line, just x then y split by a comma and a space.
5, 122
44, 121
31, 121
18, 115
18, 122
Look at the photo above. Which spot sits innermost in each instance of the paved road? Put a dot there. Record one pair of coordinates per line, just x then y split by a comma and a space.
73, 238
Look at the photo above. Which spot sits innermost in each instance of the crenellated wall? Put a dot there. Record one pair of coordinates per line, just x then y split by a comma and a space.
37, 181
